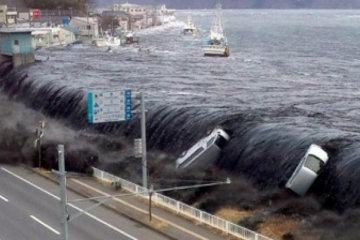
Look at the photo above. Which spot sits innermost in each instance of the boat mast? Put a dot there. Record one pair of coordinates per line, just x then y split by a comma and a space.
217, 28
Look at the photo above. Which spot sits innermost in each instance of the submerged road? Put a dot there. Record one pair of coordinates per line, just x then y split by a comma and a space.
30, 209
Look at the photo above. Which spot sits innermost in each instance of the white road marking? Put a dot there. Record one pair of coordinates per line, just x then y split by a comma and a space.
45, 225
71, 205
4, 199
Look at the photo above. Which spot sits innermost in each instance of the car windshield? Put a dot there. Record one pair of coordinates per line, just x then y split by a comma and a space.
210, 142
314, 163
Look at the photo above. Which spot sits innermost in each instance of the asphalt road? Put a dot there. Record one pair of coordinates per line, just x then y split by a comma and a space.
30, 209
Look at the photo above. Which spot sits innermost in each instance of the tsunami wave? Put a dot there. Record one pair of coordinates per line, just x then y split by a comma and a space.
263, 150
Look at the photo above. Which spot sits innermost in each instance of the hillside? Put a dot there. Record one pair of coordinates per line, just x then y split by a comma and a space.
49, 4
186, 4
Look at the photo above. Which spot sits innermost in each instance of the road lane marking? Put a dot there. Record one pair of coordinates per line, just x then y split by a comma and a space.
143, 211
45, 225
70, 204
4, 199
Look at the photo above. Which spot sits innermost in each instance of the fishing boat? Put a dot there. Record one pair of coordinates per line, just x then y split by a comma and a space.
189, 28
130, 38
107, 41
217, 44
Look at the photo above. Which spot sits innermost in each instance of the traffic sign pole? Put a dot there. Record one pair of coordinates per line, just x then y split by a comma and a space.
113, 106
63, 195
143, 141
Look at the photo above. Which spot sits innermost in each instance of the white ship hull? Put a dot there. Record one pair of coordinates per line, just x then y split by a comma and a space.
216, 51
114, 42
190, 32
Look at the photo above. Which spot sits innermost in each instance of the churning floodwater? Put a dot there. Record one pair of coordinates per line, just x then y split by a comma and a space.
292, 79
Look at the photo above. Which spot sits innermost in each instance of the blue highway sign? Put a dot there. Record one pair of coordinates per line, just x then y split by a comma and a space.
110, 106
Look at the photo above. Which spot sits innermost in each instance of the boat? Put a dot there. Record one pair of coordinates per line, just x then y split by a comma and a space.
189, 28
130, 38
217, 44
107, 41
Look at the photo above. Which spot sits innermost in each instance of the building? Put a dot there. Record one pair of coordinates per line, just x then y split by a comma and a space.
114, 14
17, 46
52, 36
3, 10
132, 9
88, 27
137, 22
121, 17
124, 23
66, 36
11, 16
24, 16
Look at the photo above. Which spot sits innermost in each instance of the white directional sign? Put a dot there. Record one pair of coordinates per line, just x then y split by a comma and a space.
110, 106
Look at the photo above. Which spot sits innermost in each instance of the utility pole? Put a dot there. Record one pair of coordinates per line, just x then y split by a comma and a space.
39, 134
143, 141
63, 195
31, 15
88, 23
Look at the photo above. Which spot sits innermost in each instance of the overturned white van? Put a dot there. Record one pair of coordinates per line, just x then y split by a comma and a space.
307, 170
205, 152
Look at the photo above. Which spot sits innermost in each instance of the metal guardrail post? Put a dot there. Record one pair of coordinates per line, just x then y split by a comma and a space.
177, 207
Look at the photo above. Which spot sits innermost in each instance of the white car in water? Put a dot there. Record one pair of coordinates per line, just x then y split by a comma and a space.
205, 152
307, 170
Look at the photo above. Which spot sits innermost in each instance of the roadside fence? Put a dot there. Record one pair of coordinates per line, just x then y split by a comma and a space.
182, 208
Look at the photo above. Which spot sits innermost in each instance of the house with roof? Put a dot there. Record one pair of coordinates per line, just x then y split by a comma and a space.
87, 28
16, 45
121, 17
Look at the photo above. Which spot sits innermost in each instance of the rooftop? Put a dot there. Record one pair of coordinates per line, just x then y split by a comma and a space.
114, 13
129, 5
90, 20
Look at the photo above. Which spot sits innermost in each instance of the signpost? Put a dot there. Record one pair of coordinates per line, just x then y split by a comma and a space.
66, 21
111, 106
36, 13
115, 106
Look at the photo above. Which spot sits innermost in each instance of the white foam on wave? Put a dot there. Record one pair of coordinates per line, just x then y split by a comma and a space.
352, 16
175, 24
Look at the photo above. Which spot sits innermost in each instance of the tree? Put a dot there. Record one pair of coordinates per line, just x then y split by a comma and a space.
80, 5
